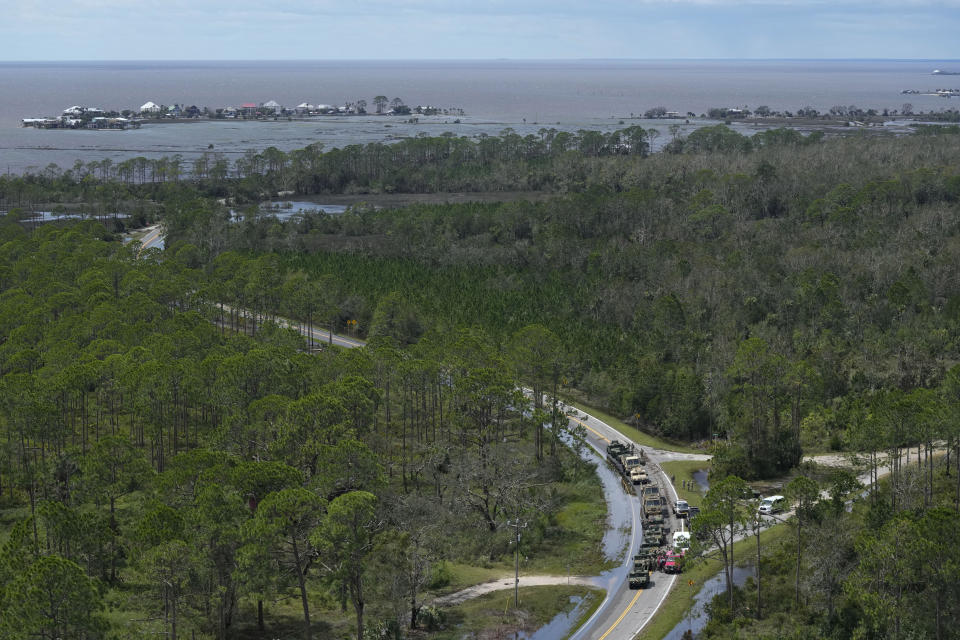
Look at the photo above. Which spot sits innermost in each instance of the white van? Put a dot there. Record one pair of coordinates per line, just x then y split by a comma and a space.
681, 540
771, 505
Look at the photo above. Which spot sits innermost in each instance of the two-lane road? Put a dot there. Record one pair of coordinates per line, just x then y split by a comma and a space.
625, 612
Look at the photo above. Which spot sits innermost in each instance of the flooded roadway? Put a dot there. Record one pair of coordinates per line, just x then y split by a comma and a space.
624, 612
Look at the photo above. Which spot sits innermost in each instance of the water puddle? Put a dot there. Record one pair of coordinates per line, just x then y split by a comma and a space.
38, 217
700, 477
562, 623
285, 209
696, 618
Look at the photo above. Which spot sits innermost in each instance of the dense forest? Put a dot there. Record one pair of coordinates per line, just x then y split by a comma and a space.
167, 469
886, 566
551, 161
774, 295
769, 296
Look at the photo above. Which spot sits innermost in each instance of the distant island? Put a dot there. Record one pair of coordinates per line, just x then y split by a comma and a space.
940, 93
78, 117
940, 72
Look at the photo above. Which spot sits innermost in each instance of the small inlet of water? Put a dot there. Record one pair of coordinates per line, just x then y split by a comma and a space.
696, 618
562, 623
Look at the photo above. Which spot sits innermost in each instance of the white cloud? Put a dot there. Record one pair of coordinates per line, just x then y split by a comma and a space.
317, 29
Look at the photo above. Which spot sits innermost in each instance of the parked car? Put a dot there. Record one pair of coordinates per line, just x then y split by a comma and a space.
771, 505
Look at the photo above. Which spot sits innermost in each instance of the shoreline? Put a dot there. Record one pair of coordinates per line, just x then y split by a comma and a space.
759, 121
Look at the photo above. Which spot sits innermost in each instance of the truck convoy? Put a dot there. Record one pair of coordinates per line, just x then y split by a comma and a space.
630, 461
654, 556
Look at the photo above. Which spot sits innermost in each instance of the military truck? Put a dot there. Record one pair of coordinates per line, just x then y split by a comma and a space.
657, 520
630, 462
654, 535
616, 449
640, 575
649, 547
645, 554
639, 579
652, 506
638, 475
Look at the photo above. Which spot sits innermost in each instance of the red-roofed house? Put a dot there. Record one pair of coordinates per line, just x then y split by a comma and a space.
249, 108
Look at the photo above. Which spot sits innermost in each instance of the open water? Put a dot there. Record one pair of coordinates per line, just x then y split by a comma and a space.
524, 95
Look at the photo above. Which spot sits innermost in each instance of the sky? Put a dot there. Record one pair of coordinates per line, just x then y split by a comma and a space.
477, 29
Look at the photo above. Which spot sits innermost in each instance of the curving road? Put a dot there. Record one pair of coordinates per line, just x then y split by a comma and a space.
152, 238
623, 612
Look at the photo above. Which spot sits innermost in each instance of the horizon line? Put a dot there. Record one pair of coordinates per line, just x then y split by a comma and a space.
498, 59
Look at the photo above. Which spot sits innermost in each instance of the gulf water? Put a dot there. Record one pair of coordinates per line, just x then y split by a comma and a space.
524, 95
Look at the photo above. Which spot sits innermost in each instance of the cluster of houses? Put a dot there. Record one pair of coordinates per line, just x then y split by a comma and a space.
305, 109
274, 108
152, 110
253, 110
943, 93
77, 117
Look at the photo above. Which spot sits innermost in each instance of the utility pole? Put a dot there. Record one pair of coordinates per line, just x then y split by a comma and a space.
516, 582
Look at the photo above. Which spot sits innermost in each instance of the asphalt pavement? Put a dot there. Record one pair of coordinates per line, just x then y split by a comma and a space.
625, 612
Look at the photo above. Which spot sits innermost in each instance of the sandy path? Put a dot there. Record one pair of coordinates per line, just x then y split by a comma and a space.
506, 582
665, 455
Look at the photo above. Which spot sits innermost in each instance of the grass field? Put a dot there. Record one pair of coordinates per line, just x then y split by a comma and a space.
682, 472
577, 543
493, 615
573, 548
680, 599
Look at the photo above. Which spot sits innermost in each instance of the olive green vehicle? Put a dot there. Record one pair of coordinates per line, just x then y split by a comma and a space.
628, 459
656, 520
649, 548
652, 507
616, 449
639, 579
645, 555
640, 575
655, 535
